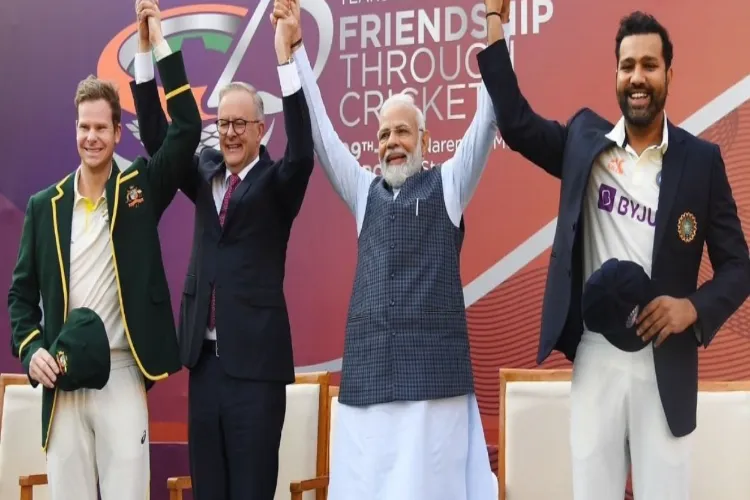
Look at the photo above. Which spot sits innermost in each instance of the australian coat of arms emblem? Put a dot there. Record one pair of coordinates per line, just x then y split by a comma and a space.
134, 196
62, 362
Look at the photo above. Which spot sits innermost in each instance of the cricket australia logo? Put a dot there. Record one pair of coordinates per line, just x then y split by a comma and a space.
226, 33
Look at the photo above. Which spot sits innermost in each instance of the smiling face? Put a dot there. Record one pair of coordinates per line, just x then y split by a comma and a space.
98, 127
642, 79
644, 55
240, 125
402, 141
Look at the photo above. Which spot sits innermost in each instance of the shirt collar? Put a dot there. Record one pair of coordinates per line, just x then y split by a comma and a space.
77, 193
243, 172
619, 136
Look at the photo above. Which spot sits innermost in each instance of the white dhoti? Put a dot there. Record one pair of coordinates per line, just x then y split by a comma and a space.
431, 450
617, 420
101, 436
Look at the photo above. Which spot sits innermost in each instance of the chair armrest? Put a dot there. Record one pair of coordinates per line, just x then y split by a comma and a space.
179, 483
33, 480
309, 484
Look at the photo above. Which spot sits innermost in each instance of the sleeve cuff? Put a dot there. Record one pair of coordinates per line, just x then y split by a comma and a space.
144, 67
301, 54
289, 79
162, 50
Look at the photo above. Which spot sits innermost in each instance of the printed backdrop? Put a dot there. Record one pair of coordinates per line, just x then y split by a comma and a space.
362, 50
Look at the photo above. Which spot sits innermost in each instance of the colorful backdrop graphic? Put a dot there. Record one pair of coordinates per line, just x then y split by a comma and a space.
563, 53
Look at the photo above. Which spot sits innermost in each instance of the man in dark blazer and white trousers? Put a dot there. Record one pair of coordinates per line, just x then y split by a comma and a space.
234, 329
649, 192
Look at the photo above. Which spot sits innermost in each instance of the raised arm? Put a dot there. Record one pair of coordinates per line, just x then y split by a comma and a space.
539, 140
297, 164
461, 173
348, 178
152, 121
172, 163
23, 298
720, 297
177, 167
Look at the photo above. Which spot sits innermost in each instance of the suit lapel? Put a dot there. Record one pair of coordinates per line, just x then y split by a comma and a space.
671, 173
598, 142
264, 161
62, 219
209, 170
112, 192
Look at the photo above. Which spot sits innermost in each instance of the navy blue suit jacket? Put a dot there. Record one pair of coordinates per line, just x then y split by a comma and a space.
246, 258
693, 180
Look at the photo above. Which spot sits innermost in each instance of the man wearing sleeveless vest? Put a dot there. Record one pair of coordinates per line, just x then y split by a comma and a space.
90, 251
408, 426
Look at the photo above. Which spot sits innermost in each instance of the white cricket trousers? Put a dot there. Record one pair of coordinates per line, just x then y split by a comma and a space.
101, 436
617, 421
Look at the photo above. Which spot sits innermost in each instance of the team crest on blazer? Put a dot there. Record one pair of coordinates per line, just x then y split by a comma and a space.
687, 226
62, 361
134, 196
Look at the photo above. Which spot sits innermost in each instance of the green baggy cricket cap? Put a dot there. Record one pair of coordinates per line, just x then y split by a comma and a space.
81, 350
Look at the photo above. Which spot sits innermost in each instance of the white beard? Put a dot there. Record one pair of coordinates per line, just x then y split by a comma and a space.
396, 175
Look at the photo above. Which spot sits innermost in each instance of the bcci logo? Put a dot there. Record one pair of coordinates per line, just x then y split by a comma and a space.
632, 317
224, 30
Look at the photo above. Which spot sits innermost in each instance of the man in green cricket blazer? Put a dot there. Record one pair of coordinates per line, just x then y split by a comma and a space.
90, 246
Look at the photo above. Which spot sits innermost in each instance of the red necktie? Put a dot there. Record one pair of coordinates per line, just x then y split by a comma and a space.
234, 180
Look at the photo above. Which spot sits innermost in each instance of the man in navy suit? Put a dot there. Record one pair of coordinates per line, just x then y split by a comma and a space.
646, 191
234, 332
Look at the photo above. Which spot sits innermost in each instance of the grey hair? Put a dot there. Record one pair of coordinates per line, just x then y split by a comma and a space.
245, 87
404, 99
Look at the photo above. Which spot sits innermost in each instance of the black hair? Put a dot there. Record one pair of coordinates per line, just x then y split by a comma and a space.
641, 23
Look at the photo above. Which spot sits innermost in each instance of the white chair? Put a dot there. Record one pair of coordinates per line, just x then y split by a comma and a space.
303, 489
303, 450
534, 445
721, 442
21, 451
534, 437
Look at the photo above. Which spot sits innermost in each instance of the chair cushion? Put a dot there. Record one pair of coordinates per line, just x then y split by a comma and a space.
298, 451
537, 439
20, 451
721, 447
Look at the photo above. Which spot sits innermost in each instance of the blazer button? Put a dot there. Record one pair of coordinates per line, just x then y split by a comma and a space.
393, 245
393, 302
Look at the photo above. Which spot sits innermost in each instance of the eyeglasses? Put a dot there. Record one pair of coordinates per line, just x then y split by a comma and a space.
238, 125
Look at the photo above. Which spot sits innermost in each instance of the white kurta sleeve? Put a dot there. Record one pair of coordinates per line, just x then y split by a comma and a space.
348, 178
461, 172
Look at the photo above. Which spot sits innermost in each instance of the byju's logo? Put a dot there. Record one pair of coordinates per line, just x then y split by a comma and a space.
607, 195
622, 205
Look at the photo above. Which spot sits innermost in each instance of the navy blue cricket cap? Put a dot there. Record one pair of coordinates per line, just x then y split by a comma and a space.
613, 298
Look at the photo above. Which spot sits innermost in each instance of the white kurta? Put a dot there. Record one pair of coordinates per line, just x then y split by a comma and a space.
432, 450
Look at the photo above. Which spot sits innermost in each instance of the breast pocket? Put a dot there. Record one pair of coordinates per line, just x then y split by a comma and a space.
687, 226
